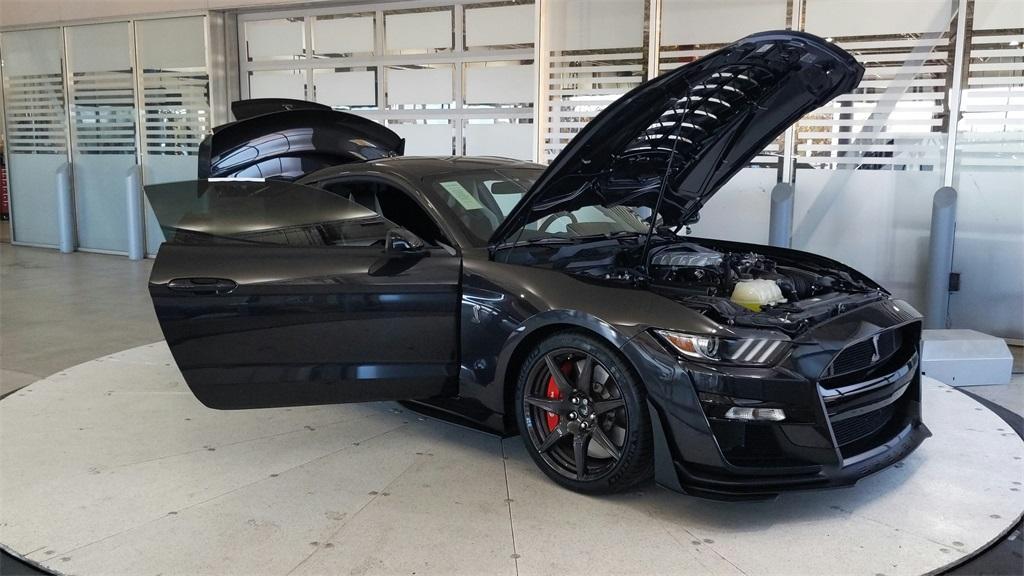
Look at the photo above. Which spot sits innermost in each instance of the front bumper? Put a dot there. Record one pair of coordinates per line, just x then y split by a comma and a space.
836, 431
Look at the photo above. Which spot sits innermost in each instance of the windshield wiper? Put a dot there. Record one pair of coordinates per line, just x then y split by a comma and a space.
541, 241
609, 235
624, 234
563, 240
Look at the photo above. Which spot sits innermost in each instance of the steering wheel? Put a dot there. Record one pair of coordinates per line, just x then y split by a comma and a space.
543, 226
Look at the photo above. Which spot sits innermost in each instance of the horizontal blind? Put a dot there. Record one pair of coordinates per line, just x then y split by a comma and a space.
103, 105
176, 110
580, 84
36, 119
992, 104
894, 119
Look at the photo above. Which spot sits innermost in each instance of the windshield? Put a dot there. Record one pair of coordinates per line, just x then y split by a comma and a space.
481, 199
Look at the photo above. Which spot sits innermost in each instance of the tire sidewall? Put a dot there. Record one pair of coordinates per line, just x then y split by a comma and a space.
636, 462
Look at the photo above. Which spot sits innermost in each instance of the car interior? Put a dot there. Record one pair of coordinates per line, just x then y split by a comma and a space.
393, 204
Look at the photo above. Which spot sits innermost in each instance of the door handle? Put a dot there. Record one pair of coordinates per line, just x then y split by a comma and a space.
203, 285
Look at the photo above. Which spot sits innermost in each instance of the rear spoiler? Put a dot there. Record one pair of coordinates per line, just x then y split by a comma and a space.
243, 109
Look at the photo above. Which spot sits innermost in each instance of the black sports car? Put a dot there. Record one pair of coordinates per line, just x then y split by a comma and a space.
314, 264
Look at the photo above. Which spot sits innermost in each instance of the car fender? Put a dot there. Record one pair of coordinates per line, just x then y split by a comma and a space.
544, 321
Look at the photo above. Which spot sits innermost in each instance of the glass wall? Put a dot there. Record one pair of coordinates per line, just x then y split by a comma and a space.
594, 53
451, 78
102, 93
36, 125
868, 163
137, 94
989, 249
175, 103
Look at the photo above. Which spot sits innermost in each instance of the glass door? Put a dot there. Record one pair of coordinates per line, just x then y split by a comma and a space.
36, 120
101, 88
988, 253
175, 103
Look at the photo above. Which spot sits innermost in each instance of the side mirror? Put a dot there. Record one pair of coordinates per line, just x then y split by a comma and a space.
400, 241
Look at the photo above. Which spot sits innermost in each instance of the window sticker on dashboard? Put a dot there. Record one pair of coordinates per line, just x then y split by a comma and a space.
461, 195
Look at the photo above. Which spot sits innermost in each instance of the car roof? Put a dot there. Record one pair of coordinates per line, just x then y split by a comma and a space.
416, 167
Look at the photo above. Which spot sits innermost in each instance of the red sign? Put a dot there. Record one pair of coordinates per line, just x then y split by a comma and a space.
5, 205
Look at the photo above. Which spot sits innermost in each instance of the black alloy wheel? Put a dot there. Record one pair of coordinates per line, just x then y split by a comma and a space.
583, 416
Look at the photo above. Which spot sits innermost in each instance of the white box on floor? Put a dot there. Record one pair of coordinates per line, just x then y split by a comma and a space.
965, 357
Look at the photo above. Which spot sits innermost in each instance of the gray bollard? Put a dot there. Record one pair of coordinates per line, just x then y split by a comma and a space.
65, 210
940, 257
780, 223
136, 233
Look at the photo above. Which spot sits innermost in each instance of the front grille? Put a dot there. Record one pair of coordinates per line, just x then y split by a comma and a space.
852, 429
856, 357
865, 354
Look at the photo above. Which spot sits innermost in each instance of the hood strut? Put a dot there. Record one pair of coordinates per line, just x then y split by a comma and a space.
661, 192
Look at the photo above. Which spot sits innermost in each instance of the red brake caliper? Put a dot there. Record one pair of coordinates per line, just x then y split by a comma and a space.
553, 393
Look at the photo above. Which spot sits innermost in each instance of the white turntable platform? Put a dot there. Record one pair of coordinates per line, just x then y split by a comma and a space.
112, 467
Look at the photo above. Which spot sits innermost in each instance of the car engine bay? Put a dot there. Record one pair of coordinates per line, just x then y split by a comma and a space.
739, 287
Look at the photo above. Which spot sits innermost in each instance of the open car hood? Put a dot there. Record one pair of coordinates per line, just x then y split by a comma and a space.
292, 141
692, 128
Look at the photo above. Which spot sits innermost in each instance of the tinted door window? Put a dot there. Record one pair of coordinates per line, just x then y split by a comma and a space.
273, 212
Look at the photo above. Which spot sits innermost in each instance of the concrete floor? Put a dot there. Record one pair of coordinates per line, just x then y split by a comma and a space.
58, 310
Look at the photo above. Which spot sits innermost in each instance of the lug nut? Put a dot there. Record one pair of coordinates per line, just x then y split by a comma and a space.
572, 415
575, 400
584, 425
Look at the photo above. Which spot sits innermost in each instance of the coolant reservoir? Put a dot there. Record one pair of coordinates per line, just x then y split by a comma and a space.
753, 294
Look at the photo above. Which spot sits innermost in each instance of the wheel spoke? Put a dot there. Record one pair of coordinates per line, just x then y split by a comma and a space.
586, 375
556, 372
579, 449
605, 442
608, 405
556, 406
553, 437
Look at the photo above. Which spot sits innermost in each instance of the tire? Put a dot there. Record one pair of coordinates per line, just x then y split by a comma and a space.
604, 418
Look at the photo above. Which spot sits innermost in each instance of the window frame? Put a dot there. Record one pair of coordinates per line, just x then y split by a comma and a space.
454, 237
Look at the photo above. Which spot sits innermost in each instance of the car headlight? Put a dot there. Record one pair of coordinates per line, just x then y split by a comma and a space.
743, 351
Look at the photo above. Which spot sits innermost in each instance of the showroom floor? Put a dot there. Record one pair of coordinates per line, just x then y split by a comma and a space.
57, 311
